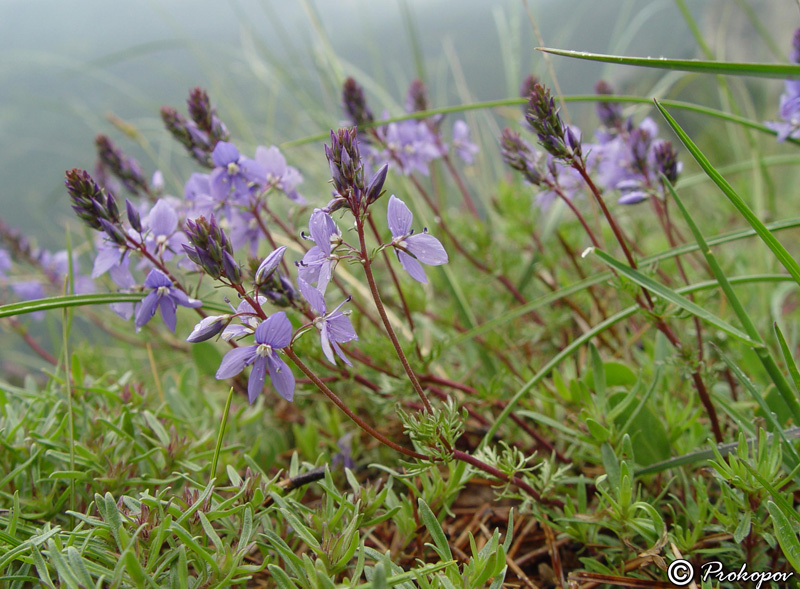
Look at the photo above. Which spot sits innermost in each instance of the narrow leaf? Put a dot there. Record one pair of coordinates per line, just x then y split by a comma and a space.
762, 70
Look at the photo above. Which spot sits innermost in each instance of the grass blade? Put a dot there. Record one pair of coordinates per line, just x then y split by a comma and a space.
728, 68
670, 295
81, 300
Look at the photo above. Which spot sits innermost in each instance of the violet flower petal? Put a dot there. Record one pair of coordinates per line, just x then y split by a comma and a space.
235, 361
426, 248
399, 217
256, 381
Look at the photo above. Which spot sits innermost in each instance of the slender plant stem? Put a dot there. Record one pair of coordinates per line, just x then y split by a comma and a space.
699, 385
392, 273
347, 411
461, 187
268, 234
221, 433
376, 296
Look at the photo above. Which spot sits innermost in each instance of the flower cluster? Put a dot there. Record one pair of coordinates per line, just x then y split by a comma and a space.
410, 145
625, 157
158, 237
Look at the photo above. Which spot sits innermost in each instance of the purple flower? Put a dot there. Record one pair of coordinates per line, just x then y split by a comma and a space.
163, 239
412, 249
318, 262
273, 334
5, 262
789, 111
410, 143
465, 149
30, 290
334, 327
163, 296
233, 172
278, 174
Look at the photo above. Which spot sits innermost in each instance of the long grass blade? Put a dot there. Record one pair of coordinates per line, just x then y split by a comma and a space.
762, 70
673, 297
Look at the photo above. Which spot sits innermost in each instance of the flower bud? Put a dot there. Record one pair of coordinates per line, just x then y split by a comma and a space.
355, 105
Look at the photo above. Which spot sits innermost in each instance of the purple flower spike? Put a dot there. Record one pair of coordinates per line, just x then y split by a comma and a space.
412, 249
164, 297
273, 334
334, 328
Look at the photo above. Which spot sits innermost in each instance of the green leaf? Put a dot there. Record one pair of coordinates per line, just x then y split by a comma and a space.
282, 580
648, 434
787, 356
762, 70
598, 432
786, 535
617, 375
82, 300
435, 529
673, 297
743, 529
611, 464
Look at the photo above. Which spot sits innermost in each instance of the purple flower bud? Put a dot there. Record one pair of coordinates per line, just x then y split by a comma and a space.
204, 115
355, 105
89, 202
208, 328
112, 209
113, 232
518, 154
375, 187
269, 265
232, 270
543, 117
526, 88
640, 141
123, 167
133, 216
417, 97
667, 161
344, 159
573, 139
609, 113
794, 56
210, 246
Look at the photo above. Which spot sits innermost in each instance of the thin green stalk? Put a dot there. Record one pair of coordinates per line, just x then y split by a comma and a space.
66, 324
221, 433
679, 104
